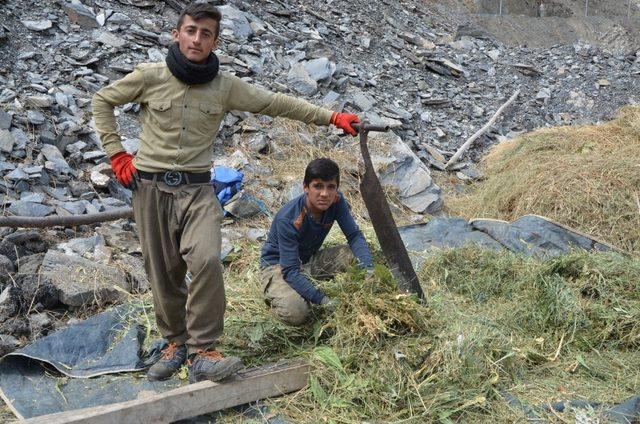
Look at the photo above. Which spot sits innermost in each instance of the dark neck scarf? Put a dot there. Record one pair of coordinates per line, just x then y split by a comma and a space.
189, 72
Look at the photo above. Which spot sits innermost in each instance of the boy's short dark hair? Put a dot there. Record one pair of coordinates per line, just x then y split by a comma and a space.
199, 11
322, 168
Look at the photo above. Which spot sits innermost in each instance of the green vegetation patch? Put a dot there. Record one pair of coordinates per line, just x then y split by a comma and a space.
493, 323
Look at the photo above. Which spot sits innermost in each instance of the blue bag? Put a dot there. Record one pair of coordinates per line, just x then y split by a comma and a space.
226, 182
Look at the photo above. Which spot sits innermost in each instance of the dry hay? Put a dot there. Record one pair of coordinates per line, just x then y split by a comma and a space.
585, 177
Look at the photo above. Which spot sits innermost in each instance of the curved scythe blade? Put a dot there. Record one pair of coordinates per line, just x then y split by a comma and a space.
383, 223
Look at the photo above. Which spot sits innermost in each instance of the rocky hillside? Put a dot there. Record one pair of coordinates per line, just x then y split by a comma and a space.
431, 70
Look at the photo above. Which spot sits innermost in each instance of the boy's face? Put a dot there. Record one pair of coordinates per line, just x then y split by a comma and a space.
196, 38
321, 194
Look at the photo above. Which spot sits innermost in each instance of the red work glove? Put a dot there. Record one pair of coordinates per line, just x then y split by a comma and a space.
344, 121
122, 165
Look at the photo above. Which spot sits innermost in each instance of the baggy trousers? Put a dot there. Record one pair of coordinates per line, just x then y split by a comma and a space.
285, 302
179, 229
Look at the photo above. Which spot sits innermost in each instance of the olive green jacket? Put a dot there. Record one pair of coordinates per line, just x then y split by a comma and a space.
180, 122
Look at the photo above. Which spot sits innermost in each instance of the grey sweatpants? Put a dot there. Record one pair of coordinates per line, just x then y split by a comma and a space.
179, 229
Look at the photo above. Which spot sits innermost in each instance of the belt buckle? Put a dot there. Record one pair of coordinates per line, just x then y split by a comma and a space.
172, 178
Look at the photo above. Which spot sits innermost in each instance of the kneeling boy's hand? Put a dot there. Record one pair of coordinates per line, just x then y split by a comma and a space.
344, 121
329, 304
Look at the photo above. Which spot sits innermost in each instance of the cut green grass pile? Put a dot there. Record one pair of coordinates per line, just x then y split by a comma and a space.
493, 323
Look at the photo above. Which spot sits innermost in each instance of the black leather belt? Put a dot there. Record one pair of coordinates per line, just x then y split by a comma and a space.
176, 178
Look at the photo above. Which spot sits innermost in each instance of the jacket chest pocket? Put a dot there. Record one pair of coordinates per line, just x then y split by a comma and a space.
162, 114
207, 118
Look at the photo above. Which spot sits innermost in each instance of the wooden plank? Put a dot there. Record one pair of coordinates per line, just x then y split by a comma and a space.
191, 400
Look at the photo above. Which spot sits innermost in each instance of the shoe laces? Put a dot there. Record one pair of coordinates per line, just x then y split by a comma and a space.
170, 351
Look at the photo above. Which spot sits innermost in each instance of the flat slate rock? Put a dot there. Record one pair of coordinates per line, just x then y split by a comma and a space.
32, 197
17, 174
35, 117
74, 207
116, 235
80, 281
300, 80
399, 167
7, 141
7, 166
5, 120
235, 23
53, 154
31, 209
38, 25
245, 206
80, 14
320, 69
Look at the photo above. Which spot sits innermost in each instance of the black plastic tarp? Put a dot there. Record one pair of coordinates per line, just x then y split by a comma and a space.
530, 235
106, 343
31, 391
33, 382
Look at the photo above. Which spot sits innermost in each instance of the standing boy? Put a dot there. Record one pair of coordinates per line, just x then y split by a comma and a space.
293, 245
178, 217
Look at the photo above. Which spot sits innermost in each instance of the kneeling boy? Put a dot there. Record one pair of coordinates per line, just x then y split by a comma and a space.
293, 245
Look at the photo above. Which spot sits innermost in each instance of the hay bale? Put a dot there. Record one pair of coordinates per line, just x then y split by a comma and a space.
584, 177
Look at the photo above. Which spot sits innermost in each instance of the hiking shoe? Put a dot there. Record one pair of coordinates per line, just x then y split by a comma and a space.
211, 365
173, 356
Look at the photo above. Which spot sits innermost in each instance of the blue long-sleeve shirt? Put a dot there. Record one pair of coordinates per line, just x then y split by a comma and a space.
295, 236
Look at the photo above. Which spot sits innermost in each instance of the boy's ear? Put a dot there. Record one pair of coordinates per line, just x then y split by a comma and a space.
305, 187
